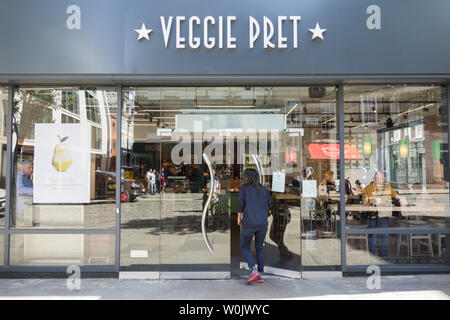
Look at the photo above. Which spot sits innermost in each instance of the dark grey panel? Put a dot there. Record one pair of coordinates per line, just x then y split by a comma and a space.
413, 38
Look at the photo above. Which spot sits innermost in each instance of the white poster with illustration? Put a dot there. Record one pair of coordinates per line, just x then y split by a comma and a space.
62, 163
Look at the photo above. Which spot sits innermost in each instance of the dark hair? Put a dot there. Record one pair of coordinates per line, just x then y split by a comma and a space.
251, 180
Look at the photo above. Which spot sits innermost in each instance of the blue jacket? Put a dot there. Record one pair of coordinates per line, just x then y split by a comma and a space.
254, 205
24, 190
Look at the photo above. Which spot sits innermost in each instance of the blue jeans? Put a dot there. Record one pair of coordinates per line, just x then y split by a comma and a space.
384, 238
246, 240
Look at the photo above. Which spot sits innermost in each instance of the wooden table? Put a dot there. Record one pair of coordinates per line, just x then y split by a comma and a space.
286, 196
386, 211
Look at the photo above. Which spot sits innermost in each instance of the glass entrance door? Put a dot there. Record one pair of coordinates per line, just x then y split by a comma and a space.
186, 150
195, 214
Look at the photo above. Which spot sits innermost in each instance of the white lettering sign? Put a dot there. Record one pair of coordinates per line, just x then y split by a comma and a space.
218, 32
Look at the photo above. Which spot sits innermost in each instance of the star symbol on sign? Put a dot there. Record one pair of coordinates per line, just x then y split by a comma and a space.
143, 32
317, 32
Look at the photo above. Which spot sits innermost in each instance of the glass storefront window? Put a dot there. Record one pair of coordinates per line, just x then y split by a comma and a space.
288, 134
2, 248
396, 170
3, 167
62, 249
426, 248
64, 175
64, 167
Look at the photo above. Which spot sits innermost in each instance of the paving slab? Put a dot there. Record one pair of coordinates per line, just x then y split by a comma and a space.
435, 287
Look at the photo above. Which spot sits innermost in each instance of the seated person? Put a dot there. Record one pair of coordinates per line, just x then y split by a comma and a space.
348, 188
359, 187
379, 193
328, 181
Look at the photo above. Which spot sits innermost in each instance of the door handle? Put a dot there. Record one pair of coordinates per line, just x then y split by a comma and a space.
205, 208
259, 168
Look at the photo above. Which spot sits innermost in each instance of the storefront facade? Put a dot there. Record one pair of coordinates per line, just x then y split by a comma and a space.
99, 96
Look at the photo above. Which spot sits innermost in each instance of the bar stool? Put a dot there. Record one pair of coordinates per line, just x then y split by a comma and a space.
360, 237
421, 239
363, 237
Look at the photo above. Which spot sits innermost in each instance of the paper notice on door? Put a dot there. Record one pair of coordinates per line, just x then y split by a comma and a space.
278, 180
309, 188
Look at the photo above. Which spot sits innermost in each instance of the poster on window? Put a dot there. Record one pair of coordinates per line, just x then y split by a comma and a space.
62, 163
278, 180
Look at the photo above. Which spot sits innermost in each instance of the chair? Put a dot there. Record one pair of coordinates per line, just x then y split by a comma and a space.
419, 239
364, 237
359, 237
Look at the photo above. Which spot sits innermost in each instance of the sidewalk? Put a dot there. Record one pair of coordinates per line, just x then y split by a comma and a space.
392, 288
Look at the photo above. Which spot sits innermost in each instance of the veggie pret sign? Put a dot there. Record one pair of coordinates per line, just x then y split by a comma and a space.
62, 163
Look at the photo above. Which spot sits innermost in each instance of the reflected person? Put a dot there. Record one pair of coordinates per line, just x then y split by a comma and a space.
280, 219
331, 186
24, 187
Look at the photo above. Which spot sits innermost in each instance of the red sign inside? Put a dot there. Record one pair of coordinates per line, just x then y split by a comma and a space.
331, 151
291, 156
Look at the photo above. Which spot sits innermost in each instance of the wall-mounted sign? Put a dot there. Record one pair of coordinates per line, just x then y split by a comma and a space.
291, 156
436, 149
201, 37
164, 132
62, 163
331, 151
195, 32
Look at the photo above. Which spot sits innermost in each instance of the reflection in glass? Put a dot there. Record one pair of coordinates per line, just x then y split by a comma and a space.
425, 248
2, 248
64, 158
3, 168
165, 132
62, 249
397, 178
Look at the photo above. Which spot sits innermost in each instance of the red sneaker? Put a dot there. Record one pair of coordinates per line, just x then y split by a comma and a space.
259, 279
253, 276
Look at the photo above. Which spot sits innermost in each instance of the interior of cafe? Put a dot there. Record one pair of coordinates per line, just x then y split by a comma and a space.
183, 152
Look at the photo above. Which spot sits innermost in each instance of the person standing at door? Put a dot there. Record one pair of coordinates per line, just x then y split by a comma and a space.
253, 210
